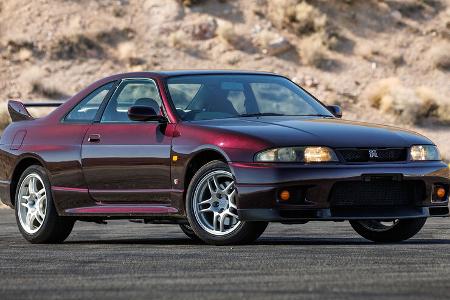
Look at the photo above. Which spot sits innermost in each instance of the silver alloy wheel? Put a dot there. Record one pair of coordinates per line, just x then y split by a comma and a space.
214, 203
379, 226
32, 201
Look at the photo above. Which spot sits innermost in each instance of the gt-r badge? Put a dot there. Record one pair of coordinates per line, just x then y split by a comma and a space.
373, 153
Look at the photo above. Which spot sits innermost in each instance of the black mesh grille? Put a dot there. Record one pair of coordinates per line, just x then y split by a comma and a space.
376, 193
378, 154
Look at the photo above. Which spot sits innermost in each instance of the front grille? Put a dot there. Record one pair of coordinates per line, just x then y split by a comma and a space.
373, 154
377, 193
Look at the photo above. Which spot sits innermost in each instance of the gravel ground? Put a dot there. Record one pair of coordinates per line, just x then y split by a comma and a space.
318, 260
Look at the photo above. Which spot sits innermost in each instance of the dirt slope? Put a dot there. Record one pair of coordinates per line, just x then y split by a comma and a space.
338, 50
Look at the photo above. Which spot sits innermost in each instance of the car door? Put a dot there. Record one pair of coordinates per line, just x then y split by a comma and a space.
126, 161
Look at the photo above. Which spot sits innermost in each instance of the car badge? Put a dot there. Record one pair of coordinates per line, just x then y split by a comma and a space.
373, 153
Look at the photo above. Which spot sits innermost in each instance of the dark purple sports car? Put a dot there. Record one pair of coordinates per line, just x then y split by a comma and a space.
221, 154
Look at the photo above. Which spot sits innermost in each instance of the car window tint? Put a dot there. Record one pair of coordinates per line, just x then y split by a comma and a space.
201, 97
128, 94
87, 108
182, 94
273, 97
237, 99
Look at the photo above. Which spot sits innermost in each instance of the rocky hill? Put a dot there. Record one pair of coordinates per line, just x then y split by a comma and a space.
385, 61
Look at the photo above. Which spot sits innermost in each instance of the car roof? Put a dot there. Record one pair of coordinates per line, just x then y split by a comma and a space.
166, 74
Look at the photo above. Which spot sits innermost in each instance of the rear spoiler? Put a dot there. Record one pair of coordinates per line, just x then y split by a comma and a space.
18, 110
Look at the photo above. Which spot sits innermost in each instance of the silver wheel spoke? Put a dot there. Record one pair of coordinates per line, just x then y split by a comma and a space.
207, 201
205, 210
41, 192
32, 186
232, 214
39, 217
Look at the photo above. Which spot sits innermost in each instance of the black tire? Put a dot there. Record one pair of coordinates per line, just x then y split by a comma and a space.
54, 228
189, 232
247, 232
400, 231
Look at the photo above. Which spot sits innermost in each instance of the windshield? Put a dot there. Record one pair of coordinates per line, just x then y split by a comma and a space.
206, 97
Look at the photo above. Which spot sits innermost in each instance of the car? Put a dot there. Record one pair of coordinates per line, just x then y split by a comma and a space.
220, 153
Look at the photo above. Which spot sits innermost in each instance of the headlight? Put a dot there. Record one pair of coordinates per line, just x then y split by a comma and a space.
424, 152
297, 154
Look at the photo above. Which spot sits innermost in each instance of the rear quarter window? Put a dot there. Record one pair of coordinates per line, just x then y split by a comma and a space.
86, 109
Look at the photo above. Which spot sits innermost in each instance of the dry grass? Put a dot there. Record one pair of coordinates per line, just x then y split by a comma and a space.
297, 15
127, 53
439, 55
365, 51
178, 39
189, 2
313, 52
35, 79
227, 33
409, 105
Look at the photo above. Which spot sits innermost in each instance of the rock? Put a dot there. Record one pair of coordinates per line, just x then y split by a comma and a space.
277, 46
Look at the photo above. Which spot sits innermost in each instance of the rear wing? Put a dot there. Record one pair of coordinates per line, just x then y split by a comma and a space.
18, 110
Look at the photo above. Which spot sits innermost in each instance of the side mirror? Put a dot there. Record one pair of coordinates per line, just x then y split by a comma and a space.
336, 110
144, 113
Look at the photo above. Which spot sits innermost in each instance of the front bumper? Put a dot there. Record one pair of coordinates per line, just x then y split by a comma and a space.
259, 184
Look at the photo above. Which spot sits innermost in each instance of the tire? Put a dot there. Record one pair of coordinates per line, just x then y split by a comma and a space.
43, 224
189, 232
216, 222
400, 230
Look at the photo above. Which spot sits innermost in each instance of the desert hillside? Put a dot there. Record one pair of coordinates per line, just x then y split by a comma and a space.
385, 61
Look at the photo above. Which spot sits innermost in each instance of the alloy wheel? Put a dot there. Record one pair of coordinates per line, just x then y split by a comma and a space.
214, 203
32, 198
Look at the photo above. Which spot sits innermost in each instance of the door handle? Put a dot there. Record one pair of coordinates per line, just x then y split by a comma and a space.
94, 138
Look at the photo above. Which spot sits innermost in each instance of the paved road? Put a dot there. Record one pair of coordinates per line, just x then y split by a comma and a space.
318, 260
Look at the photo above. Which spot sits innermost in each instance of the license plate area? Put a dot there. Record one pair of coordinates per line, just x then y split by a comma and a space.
381, 177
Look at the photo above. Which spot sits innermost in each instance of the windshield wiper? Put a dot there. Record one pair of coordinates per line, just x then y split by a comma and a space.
260, 115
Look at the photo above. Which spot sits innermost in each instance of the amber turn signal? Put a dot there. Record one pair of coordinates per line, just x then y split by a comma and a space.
440, 192
285, 195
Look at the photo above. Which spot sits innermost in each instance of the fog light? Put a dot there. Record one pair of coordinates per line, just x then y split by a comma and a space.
285, 195
440, 192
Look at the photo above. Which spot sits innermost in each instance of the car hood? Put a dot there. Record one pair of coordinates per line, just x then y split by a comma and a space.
298, 131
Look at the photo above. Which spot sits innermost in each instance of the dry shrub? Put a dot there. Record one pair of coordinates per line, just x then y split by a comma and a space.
313, 51
76, 46
178, 39
439, 55
227, 33
126, 52
409, 105
89, 45
438, 108
297, 15
37, 83
190, 2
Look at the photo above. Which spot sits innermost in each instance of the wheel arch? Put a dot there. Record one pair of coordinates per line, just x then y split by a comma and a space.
21, 166
199, 159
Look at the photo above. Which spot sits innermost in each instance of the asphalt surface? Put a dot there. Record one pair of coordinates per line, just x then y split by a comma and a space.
318, 260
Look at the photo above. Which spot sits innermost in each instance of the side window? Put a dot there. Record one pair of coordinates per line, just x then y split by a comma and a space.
87, 108
136, 92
